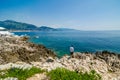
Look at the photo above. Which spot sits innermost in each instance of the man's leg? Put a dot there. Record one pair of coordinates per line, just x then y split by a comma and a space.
72, 54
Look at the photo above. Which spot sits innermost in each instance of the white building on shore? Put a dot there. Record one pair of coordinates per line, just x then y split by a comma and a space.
4, 31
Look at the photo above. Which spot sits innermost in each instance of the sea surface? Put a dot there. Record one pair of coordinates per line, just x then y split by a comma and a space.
90, 41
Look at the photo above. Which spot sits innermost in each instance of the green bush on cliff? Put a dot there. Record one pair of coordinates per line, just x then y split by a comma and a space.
21, 74
64, 74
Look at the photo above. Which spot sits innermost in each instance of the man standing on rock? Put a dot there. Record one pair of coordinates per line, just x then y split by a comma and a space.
71, 50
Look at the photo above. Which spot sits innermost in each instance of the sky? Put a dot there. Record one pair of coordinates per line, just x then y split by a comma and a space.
75, 14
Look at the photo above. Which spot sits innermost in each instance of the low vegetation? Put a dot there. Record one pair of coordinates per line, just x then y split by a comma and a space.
21, 74
64, 74
57, 74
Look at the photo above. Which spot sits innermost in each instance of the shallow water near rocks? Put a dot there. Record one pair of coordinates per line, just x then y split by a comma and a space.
91, 41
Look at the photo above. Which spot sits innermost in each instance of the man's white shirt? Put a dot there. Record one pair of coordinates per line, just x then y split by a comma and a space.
71, 49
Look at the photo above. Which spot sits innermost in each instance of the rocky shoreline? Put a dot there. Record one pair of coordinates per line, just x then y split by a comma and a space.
16, 51
15, 48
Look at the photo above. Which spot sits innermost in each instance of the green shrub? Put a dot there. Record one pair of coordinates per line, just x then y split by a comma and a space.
21, 74
64, 74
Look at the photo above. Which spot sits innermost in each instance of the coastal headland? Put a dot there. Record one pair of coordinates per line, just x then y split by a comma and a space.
16, 51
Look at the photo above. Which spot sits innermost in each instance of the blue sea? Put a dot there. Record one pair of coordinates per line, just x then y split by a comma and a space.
90, 41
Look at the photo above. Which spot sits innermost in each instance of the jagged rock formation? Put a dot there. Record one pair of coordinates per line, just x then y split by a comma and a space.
110, 58
14, 48
86, 62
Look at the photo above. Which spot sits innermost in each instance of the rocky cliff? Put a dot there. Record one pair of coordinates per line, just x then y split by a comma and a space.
15, 48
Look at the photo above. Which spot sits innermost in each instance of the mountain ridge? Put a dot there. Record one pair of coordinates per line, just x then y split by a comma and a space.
16, 26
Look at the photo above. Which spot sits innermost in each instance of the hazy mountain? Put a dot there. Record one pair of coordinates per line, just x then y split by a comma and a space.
64, 29
45, 28
13, 25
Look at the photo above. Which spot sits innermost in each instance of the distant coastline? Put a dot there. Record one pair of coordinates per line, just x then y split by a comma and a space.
14, 26
22, 30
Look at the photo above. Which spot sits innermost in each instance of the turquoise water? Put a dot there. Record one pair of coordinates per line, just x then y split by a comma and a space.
83, 41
